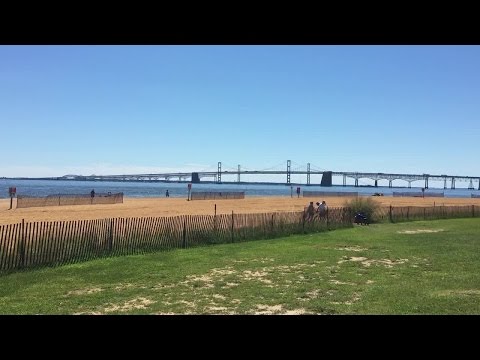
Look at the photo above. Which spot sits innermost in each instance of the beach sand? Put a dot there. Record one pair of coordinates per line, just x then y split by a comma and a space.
160, 207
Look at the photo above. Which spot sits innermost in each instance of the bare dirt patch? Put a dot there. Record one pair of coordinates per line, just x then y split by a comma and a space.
354, 259
84, 291
216, 309
268, 310
256, 275
368, 262
351, 301
336, 282
123, 286
420, 231
351, 248
295, 312
230, 285
88, 313
138, 303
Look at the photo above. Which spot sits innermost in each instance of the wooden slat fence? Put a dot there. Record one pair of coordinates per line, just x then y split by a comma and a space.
28, 245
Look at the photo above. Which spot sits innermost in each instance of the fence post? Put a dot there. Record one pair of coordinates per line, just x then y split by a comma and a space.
184, 232
232, 226
272, 223
184, 240
303, 222
110, 240
22, 245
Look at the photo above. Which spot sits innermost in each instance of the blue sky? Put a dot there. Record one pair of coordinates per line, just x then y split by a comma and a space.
138, 109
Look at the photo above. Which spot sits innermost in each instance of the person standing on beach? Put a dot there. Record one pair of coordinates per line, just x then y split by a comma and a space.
310, 211
322, 208
92, 193
167, 194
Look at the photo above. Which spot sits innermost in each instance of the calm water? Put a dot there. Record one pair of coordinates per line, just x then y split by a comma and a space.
138, 189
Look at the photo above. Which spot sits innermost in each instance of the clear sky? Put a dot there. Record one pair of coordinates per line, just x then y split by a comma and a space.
143, 109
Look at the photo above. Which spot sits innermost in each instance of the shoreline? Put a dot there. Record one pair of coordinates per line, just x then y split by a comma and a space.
167, 207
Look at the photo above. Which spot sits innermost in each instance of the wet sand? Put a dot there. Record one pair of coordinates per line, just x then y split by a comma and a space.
160, 207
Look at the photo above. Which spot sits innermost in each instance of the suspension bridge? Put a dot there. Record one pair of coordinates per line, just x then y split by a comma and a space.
234, 175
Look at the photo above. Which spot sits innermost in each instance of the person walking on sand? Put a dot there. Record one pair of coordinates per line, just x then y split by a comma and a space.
92, 193
167, 194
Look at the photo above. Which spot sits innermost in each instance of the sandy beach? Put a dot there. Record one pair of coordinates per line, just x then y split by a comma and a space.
159, 207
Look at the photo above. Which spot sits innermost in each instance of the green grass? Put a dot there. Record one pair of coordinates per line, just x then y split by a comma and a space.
376, 269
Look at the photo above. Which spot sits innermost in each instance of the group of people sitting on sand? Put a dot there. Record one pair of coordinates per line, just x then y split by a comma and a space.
320, 210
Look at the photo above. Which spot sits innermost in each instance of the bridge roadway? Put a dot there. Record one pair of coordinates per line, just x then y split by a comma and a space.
217, 176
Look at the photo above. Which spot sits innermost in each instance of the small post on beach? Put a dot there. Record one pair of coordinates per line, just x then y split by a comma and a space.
189, 191
291, 191
12, 191
215, 209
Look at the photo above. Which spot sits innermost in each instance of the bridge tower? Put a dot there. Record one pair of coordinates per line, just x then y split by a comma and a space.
453, 183
426, 182
238, 174
390, 183
445, 183
356, 180
479, 184
409, 184
470, 186
344, 180
308, 173
376, 183
289, 163
219, 173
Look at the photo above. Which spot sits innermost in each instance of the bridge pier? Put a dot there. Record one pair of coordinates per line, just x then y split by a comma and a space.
356, 182
453, 183
445, 183
390, 183
238, 174
345, 181
409, 184
470, 186
478, 184
426, 183
195, 178
376, 183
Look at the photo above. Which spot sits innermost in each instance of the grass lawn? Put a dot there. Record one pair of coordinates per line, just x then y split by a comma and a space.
426, 267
